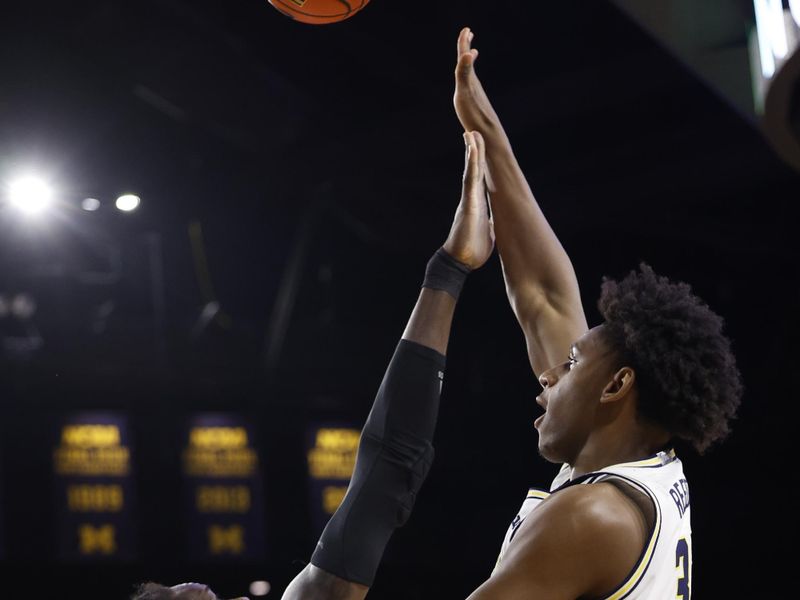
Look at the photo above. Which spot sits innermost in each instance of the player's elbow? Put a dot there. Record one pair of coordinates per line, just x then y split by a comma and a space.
528, 302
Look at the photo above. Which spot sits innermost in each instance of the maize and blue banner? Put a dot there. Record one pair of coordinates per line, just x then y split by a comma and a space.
95, 500
223, 489
331, 456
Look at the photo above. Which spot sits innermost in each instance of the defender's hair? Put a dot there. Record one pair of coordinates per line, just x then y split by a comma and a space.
685, 371
153, 591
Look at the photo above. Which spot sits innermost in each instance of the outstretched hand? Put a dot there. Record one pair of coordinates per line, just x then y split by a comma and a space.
471, 239
470, 100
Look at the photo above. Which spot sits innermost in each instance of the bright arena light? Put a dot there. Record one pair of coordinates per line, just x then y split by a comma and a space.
128, 202
260, 588
30, 195
90, 204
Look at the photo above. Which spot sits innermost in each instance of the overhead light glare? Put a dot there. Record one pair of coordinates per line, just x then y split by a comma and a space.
30, 195
128, 202
90, 204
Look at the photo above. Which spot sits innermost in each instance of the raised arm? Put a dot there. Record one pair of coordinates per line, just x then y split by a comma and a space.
395, 451
540, 279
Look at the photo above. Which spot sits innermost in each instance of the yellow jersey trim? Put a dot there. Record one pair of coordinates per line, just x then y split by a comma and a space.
537, 494
662, 458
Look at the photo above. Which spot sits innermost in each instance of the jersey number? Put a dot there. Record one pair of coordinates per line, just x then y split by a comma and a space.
682, 564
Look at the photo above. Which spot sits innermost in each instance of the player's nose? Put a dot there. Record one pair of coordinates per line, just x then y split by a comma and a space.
547, 378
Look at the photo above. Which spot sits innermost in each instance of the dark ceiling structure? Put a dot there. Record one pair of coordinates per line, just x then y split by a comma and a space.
294, 181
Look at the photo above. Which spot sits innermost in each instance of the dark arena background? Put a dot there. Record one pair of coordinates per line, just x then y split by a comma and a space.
182, 384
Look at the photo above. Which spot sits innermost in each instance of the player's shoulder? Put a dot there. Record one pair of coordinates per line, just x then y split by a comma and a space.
591, 535
595, 509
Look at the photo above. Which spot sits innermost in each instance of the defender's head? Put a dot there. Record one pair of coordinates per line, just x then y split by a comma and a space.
660, 350
183, 591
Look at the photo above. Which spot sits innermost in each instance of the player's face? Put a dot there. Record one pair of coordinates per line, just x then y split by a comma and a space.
196, 591
571, 397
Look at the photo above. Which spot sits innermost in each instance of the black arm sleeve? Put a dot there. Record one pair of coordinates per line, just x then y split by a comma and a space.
394, 456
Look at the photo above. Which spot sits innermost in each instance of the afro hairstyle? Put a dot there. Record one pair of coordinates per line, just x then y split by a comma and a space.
686, 373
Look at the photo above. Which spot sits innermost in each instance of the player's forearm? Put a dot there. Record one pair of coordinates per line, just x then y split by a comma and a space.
431, 319
537, 269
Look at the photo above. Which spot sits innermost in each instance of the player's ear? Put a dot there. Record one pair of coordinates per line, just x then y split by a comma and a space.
620, 385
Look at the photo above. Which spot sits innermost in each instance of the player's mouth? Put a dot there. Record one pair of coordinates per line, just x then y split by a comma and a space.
541, 401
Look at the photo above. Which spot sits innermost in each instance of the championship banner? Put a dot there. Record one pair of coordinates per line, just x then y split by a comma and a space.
223, 489
331, 457
92, 465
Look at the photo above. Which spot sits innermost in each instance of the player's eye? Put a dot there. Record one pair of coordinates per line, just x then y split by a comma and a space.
571, 362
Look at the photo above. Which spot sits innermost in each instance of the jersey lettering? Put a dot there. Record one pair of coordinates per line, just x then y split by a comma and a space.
680, 495
514, 526
683, 567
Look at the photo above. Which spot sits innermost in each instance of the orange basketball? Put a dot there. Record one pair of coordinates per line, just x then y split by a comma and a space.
319, 12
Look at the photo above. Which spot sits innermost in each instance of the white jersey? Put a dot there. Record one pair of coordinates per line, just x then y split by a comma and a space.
664, 568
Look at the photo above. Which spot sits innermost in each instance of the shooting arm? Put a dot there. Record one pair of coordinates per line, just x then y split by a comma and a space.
540, 280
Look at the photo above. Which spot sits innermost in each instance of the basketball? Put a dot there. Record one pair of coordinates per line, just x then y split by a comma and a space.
319, 12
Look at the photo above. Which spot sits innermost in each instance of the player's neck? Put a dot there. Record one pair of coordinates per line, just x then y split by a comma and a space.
608, 448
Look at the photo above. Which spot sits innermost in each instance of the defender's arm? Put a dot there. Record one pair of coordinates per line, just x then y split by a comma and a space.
395, 450
428, 326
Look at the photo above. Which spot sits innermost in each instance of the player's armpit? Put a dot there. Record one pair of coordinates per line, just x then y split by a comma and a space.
580, 542
549, 330
313, 583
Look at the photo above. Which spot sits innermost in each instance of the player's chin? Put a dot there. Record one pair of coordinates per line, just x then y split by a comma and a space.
546, 449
